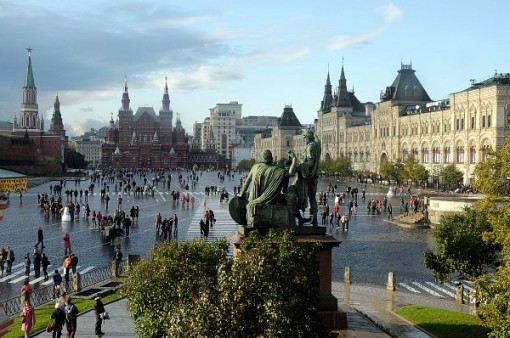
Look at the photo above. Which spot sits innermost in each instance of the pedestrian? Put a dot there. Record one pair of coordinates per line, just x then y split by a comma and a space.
26, 292
390, 212
40, 238
158, 222
57, 284
37, 263
27, 262
67, 267
74, 263
176, 220
9, 260
99, 311
45, 263
71, 315
137, 213
58, 318
3, 258
117, 258
27, 318
127, 225
67, 243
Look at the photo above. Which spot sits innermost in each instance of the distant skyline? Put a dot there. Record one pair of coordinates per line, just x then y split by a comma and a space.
263, 54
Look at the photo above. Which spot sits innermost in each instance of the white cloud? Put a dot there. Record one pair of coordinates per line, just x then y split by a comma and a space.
391, 14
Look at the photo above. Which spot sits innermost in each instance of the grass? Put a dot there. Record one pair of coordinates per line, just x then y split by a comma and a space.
43, 313
444, 323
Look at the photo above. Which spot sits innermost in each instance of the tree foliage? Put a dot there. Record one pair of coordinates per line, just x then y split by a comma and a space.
460, 247
493, 180
413, 170
269, 290
341, 165
246, 164
74, 159
451, 176
392, 170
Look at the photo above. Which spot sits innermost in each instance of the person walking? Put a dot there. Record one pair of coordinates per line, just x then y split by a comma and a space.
3, 258
40, 238
67, 243
176, 222
58, 317
117, 258
67, 267
390, 212
99, 310
45, 262
27, 318
57, 284
27, 262
9, 260
158, 222
71, 317
37, 263
26, 292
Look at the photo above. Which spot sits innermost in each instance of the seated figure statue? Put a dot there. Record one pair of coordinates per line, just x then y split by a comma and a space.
267, 204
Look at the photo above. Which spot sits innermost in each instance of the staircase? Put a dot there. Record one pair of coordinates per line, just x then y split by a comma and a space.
412, 221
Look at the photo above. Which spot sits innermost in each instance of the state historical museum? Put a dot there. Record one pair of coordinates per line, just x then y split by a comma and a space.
144, 139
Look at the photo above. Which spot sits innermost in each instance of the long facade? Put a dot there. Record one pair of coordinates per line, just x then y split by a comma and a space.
407, 122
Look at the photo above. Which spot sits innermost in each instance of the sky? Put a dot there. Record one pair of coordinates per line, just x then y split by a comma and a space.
263, 54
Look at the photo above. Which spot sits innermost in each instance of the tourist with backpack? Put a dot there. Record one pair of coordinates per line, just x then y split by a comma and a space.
71, 317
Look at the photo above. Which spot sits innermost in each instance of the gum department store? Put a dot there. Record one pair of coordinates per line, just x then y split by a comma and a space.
405, 122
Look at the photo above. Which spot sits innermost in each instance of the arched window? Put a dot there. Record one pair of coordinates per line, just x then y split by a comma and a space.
416, 91
489, 121
460, 154
483, 121
416, 155
472, 154
425, 155
436, 155
447, 155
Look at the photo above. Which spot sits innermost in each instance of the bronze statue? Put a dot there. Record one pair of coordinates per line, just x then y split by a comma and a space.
267, 203
308, 176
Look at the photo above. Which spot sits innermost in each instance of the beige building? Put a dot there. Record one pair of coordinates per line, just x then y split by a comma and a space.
407, 122
91, 150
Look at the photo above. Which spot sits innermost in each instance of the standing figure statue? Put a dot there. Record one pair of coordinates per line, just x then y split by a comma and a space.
308, 176
267, 184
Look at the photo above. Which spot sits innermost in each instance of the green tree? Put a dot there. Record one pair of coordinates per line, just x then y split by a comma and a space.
386, 168
342, 165
414, 171
451, 176
246, 164
460, 247
74, 159
269, 290
492, 180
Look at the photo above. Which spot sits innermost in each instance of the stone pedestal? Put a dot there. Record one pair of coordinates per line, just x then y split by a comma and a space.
332, 317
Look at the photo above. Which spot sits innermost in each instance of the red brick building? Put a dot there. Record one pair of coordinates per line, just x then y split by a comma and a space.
145, 139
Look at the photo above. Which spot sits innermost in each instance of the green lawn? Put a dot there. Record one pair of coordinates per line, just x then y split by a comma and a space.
43, 314
444, 323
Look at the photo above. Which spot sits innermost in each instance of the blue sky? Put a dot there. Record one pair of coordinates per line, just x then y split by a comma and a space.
263, 54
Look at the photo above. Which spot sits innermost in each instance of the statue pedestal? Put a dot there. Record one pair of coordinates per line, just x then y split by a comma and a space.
333, 318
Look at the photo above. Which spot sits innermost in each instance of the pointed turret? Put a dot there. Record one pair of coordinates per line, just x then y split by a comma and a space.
342, 98
56, 124
29, 80
166, 113
134, 140
125, 96
155, 138
327, 100
29, 107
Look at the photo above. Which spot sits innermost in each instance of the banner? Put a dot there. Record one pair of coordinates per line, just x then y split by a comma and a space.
13, 184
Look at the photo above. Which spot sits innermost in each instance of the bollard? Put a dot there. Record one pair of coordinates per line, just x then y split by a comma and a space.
390, 286
77, 282
347, 275
459, 296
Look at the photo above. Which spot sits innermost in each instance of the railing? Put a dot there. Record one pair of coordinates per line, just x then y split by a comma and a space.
44, 295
